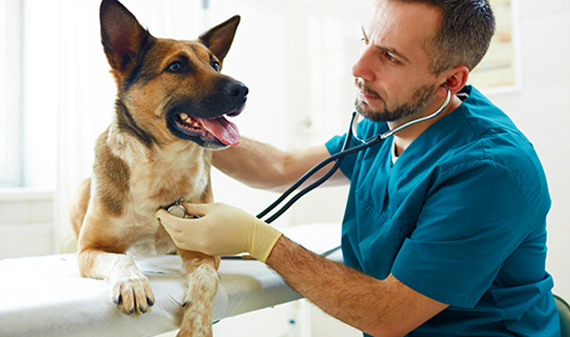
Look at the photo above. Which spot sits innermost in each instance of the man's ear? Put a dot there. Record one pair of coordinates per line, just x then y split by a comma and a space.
455, 80
122, 36
220, 38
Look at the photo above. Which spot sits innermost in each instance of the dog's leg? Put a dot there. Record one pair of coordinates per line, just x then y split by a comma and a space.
102, 256
201, 272
130, 289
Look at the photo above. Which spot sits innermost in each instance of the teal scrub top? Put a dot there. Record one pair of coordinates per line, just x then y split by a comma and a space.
460, 218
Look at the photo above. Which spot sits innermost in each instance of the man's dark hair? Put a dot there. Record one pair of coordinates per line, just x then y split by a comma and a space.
467, 27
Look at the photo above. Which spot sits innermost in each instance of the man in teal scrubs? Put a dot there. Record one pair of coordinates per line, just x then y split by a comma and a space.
444, 232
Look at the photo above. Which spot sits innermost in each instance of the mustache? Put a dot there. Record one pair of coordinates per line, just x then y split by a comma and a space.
360, 85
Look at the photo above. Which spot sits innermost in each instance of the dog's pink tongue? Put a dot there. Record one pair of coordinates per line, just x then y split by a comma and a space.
226, 131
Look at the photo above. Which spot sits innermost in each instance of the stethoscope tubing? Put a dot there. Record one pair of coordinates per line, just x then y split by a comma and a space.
338, 157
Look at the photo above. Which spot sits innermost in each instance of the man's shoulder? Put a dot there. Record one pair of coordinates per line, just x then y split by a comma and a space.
482, 129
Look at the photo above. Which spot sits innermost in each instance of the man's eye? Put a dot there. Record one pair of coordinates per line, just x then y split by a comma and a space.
390, 58
365, 40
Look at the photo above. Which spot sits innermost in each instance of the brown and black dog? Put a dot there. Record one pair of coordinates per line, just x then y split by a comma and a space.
169, 116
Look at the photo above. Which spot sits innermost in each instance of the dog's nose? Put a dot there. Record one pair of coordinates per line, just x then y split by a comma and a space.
236, 90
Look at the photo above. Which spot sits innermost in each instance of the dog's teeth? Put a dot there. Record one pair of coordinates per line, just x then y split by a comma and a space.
184, 117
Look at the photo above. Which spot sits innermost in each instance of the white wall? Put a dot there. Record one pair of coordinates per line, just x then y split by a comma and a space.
541, 110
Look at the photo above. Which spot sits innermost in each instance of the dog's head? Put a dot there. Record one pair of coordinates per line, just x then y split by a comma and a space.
172, 89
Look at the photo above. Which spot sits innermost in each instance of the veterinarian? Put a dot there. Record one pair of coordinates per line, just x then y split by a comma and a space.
444, 230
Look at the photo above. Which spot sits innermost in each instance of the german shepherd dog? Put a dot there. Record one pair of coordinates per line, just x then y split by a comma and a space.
169, 116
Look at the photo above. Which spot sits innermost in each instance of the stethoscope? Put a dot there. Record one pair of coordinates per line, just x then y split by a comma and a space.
338, 157
178, 210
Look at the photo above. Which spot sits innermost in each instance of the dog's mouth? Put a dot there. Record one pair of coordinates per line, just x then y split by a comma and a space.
215, 132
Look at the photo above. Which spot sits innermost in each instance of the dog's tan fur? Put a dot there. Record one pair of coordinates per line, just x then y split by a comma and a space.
140, 166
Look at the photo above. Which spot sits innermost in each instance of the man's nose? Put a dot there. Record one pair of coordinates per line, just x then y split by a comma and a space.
363, 68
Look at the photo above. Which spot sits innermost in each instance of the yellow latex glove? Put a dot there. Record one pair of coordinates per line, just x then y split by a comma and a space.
221, 230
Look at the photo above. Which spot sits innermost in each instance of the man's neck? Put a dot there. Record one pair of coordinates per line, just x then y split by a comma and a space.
403, 138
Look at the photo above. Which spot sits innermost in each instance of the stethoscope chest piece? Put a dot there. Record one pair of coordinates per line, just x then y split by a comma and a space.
179, 211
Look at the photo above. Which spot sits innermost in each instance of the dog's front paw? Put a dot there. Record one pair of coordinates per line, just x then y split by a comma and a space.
133, 294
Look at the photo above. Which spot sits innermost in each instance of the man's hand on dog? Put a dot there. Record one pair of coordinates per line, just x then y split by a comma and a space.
220, 230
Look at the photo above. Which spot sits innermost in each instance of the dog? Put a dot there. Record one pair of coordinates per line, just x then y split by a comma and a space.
170, 114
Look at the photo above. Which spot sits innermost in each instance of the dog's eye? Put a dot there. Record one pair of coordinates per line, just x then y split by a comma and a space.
175, 67
216, 66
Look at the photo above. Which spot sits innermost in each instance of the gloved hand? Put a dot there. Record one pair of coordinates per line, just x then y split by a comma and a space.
221, 230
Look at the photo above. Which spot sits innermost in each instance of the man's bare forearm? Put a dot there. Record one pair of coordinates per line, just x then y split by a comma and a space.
253, 163
321, 281
262, 166
377, 307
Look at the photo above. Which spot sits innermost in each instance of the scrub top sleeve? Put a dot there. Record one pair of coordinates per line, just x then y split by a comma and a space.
473, 218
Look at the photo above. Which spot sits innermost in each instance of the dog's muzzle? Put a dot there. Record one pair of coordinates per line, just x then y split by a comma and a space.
204, 122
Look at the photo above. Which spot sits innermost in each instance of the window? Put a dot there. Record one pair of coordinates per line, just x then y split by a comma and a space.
10, 94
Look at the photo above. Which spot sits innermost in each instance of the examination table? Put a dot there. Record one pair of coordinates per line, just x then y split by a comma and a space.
45, 296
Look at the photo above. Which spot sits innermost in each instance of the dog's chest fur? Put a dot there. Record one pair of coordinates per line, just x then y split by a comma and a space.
157, 176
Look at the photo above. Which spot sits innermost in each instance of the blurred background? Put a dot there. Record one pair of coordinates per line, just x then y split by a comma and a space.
57, 96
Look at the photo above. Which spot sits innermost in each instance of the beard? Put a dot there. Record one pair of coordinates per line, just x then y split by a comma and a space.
415, 104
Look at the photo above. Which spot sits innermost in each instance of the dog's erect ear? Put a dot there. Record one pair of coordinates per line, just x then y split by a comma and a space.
122, 36
220, 38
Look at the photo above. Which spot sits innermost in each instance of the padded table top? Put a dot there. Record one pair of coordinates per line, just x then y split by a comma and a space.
45, 295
